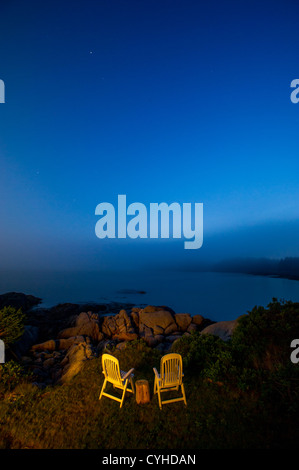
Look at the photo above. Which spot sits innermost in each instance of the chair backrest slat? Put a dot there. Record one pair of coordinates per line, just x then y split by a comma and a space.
171, 369
110, 365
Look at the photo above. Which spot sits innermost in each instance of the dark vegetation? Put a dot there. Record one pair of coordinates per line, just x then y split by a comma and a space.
11, 325
285, 268
243, 393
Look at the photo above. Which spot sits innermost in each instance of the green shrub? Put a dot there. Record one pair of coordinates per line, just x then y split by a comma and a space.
257, 357
280, 388
207, 355
11, 325
11, 375
262, 338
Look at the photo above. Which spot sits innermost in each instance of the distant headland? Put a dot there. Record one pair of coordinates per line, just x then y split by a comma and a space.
287, 268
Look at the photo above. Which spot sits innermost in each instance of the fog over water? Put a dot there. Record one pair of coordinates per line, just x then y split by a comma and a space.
116, 270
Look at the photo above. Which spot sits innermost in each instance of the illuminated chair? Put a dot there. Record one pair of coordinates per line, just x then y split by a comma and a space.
116, 377
170, 378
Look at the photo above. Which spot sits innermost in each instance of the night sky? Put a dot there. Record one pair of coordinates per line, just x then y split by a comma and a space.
164, 101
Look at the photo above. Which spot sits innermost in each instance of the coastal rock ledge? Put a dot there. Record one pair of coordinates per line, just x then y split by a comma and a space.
88, 334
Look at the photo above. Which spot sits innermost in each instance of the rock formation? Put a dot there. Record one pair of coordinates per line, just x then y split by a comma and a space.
88, 334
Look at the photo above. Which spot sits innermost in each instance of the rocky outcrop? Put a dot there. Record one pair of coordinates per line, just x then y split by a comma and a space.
51, 321
28, 339
18, 300
160, 322
223, 329
183, 321
86, 324
73, 361
197, 319
57, 345
49, 366
119, 327
154, 324
90, 334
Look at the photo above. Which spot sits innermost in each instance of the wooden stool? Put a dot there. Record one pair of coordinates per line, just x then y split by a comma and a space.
142, 392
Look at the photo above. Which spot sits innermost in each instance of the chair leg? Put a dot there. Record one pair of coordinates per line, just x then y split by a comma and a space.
155, 386
159, 397
132, 385
124, 392
103, 388
184, 395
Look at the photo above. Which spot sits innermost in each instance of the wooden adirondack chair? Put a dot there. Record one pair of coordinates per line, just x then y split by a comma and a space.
115, 376
170, 378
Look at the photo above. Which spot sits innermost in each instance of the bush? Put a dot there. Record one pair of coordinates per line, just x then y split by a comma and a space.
11, 375
262, 338
280, 387
207, 355
257, 357
11, 325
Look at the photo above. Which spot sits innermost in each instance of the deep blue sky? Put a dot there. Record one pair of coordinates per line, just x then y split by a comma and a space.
165, 100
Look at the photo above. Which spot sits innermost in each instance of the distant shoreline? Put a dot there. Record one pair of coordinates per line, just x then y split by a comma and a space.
290, 277
286, 268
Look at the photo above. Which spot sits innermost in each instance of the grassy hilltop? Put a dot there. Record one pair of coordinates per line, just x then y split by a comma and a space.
243, 393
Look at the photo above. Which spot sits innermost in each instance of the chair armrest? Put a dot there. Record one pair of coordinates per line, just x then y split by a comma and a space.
156, 373
127, 374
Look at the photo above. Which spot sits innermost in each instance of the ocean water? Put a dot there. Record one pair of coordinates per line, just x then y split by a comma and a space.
218, 296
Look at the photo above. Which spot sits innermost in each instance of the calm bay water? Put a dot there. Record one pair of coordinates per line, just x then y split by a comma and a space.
218, 296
